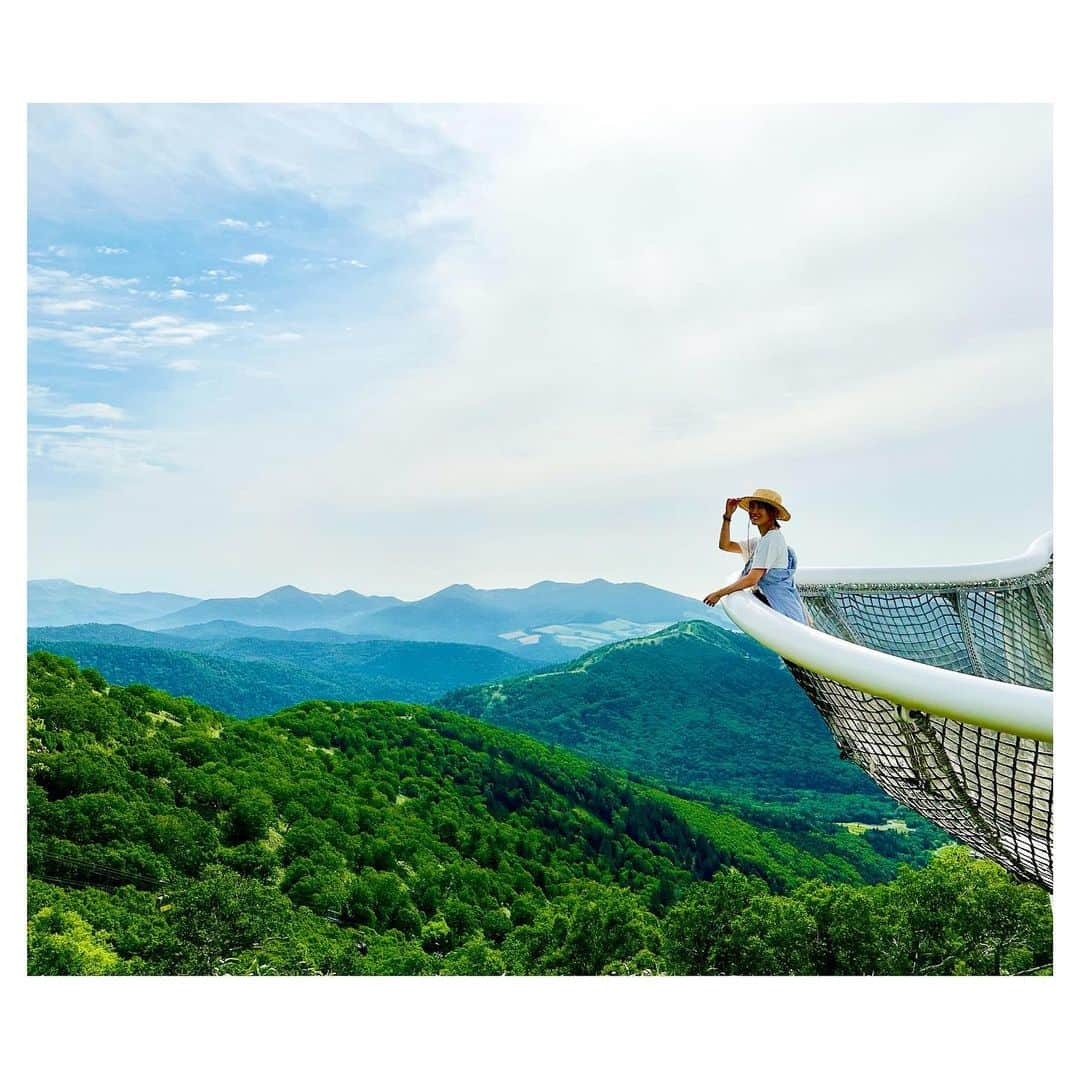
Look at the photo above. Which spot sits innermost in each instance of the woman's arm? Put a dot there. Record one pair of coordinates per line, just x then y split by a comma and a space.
726, 543
747, 581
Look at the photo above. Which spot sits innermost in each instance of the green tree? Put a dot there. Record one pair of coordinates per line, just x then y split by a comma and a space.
388, 954
474, 958
251, 816
775, 935
436, 935
961, 915
64, 943
853, 928
699, 931
584, 932
221, 915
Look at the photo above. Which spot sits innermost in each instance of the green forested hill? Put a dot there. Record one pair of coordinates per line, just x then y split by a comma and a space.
252, 676
694, 705
244, 688
165, 837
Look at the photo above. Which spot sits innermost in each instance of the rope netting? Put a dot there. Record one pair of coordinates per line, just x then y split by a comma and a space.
990, 790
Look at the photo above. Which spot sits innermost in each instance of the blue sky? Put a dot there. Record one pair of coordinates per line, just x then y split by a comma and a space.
163, 259
390, 348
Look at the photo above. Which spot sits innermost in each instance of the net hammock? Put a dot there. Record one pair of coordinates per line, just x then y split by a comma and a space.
937, 682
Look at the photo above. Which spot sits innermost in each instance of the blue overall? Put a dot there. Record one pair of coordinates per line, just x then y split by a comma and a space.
777, 589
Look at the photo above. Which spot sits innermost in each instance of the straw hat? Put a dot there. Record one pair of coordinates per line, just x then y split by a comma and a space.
766, 496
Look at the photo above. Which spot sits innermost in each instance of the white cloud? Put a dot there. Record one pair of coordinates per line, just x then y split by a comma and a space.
43, 402
634, 297
178, 294
61, 284
157, 161
221, 298
242, 226
101, 452
90, 444
257, 258
128, 339
184, 364
172, 330
92, 410
45, 279
108, 282
104, 250
220, 275
61, 295
61, 307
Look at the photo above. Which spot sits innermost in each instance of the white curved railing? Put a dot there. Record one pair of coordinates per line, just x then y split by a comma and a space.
999, 706
1033, 559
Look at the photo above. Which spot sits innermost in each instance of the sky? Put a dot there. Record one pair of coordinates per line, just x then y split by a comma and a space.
392, 348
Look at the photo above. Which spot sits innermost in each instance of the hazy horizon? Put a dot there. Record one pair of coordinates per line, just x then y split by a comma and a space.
393, 348
361, 591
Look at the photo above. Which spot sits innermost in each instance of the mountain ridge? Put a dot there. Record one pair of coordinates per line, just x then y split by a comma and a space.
254, 676
547, 621
58, 601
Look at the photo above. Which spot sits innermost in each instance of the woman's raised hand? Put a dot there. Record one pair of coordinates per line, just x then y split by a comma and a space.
730, 507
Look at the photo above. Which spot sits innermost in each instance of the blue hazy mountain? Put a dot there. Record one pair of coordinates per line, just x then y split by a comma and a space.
56, 602
220, 629
287, 607
198, 638
544, 623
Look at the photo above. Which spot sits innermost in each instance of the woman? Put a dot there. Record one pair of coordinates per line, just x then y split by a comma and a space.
770, 563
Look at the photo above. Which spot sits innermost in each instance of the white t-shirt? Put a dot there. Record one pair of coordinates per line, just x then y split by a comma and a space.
769, 551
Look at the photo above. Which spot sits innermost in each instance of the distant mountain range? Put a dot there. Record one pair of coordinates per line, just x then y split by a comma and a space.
543, 623
287, 607
55, 602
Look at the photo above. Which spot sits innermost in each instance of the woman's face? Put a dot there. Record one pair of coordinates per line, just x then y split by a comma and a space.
761, 513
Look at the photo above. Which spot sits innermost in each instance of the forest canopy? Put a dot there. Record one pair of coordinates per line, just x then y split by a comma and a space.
380, 838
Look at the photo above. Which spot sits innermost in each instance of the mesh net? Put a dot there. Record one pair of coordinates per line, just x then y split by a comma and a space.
990, 790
